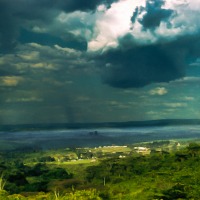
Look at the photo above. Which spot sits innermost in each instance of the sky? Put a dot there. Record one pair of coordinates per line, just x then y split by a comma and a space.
99, 60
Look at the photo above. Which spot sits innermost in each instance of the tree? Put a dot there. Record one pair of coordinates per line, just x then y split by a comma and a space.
193, 149
38, 170
17, 178
57, 173
178, 191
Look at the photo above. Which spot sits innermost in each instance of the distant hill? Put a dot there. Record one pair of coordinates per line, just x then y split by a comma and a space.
55, 126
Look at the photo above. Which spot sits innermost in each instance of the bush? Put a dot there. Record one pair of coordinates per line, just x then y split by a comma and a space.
38, 170
18, 178
36, 187
46, 159
57, 173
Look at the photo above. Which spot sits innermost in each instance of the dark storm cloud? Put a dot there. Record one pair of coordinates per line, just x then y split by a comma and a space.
15, 15
46, 10
86, 5
154, 14
7, 28
137, 66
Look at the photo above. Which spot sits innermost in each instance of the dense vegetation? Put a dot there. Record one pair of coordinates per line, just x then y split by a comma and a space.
159, 175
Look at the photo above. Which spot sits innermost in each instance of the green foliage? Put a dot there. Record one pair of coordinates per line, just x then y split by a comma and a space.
178, 191
46, 159
57, 173
91, 194
3, 194
194, 149
38, 170
167, 176
17, 178
37, 186
160, 176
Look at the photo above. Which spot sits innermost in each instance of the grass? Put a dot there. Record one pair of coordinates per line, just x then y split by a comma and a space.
2, 182
112, 149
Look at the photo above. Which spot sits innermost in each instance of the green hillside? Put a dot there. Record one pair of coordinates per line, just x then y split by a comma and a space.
161, 170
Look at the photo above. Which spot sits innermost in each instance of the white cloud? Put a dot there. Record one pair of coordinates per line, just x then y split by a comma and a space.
10, 81
36, 56
43, 65
112, 24
188, 98
104, 27
184, 21
67, 50
38, 29
181, 4
83, 98
194, 4
188, 79
78, 23
25, 99
158, 91
115, 22
119, 105
152, 112
29, 56
175, 105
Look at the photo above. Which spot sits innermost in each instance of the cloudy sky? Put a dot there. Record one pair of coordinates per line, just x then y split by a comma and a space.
99, 60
